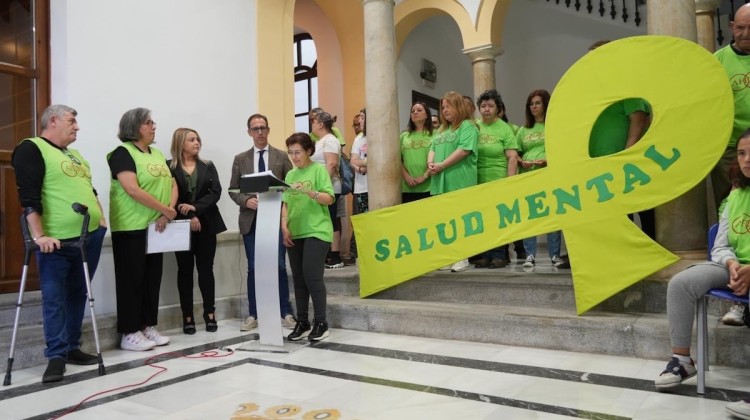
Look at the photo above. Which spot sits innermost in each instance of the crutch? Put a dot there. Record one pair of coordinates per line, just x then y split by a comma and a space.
29, 247
81, 244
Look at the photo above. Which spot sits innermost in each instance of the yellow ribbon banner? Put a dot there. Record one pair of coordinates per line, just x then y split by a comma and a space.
588, 198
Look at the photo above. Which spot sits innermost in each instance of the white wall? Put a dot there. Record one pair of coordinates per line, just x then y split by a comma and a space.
191, 62
438, 40
540, 42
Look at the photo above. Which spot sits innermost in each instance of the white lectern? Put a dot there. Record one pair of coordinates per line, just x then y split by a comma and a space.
269, 190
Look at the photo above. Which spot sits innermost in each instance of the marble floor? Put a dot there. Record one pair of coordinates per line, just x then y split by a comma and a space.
361, 375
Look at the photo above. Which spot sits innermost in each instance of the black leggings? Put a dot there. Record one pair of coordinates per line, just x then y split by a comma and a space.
201, 254
307, 258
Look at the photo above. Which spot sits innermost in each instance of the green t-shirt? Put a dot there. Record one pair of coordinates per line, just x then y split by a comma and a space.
514, 127
610, 132
415, 146
531, 144
67, 179
494, 140
308, 218
336, 133
737, 67
463, 173
738, 205
153, 176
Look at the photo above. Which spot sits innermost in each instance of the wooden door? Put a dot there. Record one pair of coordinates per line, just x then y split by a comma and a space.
24, 93
11, 241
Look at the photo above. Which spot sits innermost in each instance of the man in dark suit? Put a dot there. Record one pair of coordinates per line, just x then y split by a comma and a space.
261, 157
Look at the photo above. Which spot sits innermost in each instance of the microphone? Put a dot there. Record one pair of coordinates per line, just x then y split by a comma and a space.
80, 208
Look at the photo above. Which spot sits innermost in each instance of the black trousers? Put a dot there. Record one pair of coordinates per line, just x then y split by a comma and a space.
307, 259
411, 197
137, 281
201, 255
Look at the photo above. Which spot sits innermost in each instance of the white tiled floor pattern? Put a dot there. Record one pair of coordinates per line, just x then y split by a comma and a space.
218, 395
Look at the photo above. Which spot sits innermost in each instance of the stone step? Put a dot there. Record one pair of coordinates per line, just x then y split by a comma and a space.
512, 286
644, 335
542, 287
31, 309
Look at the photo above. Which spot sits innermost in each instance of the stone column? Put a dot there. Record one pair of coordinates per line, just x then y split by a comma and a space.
483, 66
383, 149
672, 17
681, 224
705, 12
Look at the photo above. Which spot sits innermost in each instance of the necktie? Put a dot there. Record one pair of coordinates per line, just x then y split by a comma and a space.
261, 163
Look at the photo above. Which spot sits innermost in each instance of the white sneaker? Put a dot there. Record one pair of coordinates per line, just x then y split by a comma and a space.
250, 324
529, 261
734, 316
739, 409
153, 334
462, 265
556, 261
136, 342
288, 322
675, 373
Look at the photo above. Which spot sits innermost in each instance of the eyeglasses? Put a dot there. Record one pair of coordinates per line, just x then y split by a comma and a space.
150, 123
295, 152
71, 156
258, 130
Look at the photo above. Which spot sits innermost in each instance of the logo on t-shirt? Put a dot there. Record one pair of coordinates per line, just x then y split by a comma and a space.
445, 137
488, 139
158, 170
306, 186
740, 82
741, 225
73, 170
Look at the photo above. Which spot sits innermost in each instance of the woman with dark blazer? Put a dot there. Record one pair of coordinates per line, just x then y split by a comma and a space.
198, 191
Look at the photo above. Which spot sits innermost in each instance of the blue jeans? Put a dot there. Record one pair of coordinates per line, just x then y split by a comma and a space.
63, 285
284, 305
554, 240
499, 253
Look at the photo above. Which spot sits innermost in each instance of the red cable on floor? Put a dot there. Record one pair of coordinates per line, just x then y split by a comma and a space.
210, 354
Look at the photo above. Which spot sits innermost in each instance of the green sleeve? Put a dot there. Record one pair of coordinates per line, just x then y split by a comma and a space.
468, 136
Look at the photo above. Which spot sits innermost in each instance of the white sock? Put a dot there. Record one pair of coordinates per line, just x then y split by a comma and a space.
685, 360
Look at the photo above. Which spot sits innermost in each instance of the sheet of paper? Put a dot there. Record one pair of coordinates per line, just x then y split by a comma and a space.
176, 237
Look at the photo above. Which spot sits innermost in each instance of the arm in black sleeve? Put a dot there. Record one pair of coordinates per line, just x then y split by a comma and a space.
214, 191
121, 161
28, 163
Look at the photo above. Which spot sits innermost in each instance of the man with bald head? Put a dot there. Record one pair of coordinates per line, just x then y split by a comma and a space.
735, 58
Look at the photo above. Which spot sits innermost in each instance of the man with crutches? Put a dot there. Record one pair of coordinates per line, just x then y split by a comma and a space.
51, 177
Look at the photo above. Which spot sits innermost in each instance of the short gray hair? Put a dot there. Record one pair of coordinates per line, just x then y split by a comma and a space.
55, 111
130, 124
326, 119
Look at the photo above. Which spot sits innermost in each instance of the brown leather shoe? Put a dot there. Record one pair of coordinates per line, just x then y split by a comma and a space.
496, 263
482, 263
